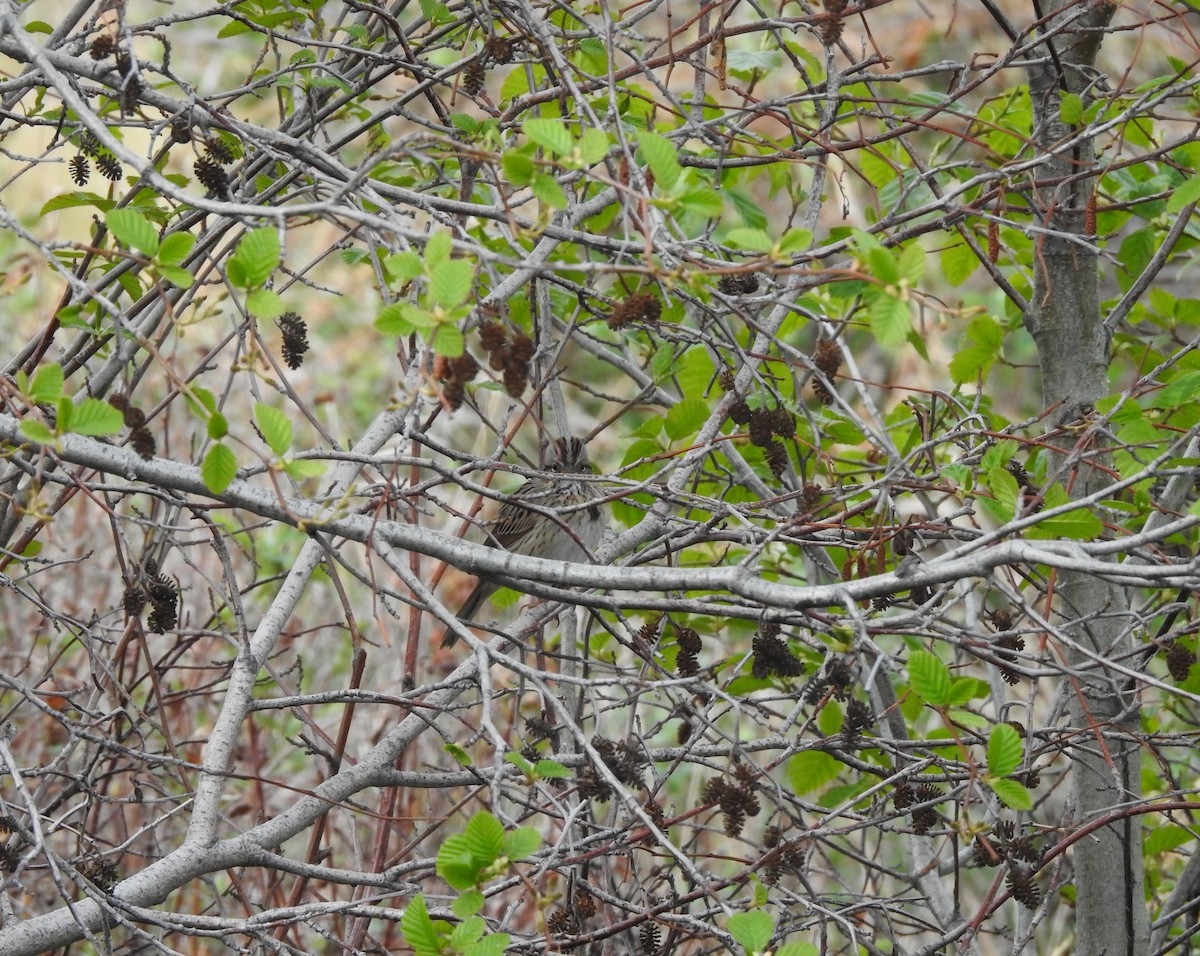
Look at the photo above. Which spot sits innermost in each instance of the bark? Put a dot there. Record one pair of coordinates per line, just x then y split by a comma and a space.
1065, 320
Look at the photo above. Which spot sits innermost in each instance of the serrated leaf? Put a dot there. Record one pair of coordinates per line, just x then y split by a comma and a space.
493, 944
76, 198
256, 257
520, 761
177, 276
450, 283
467, 904
218, 426
1184, 194
1162, 839
930, 677
1006, 493
794, 240
466, 933
549, 191
418, 929
753, 930
47, 385
686, 417
811, 770
133, 229
1012, 794
550, 134
36, 431
456, 864
175, 248
701, 201
219, 468
275, 426
551, 770
304, 468
518, 167
448, 340
1004, 751
437, 249
957, 263
662, 158
912, 263
1182, 390
391, 321
890, 320
755, 240
94, 417
1070, 108
404, 265
593, 145
521, 842
265, 304
485, 836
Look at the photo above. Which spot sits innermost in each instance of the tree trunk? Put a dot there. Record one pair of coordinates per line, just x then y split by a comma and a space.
1064, 319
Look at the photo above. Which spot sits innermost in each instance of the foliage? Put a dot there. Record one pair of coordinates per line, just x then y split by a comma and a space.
301, 292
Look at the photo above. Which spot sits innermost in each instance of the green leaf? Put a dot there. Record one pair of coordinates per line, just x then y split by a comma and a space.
811, 770
175, 248
518, 167
275, 426
985, 339
219, 468
451, 282
1012, 794
456, 864
418, 929
912, 263
662, 158
550, 134
1070, 108
1006, 493
133, 229
485, 836
797, 949
1004, 750
794, 240
593, 145
218, 426
37, 431
521, 842
551, 770
493, 944
549, 191
95, 417
755, 240
303, 468
265, 304
930, 677
448, 340
76, 198
686, 417
391, 321
1163, 839
256, 257
467, 904
957, 263
47, 386
1182, 390
753, 930
438, 248
38, 26
701, 201
404, 266
1184, 194
890, 320
177, 276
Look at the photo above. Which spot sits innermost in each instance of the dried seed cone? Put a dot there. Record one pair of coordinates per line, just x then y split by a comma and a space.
295, 339
831, 27
498, 49
1179, 661
739, 283
81, 171
473, 77
828, 359
993, 241
639, 307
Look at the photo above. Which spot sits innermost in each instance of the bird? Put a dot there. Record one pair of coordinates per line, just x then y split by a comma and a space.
554, 516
